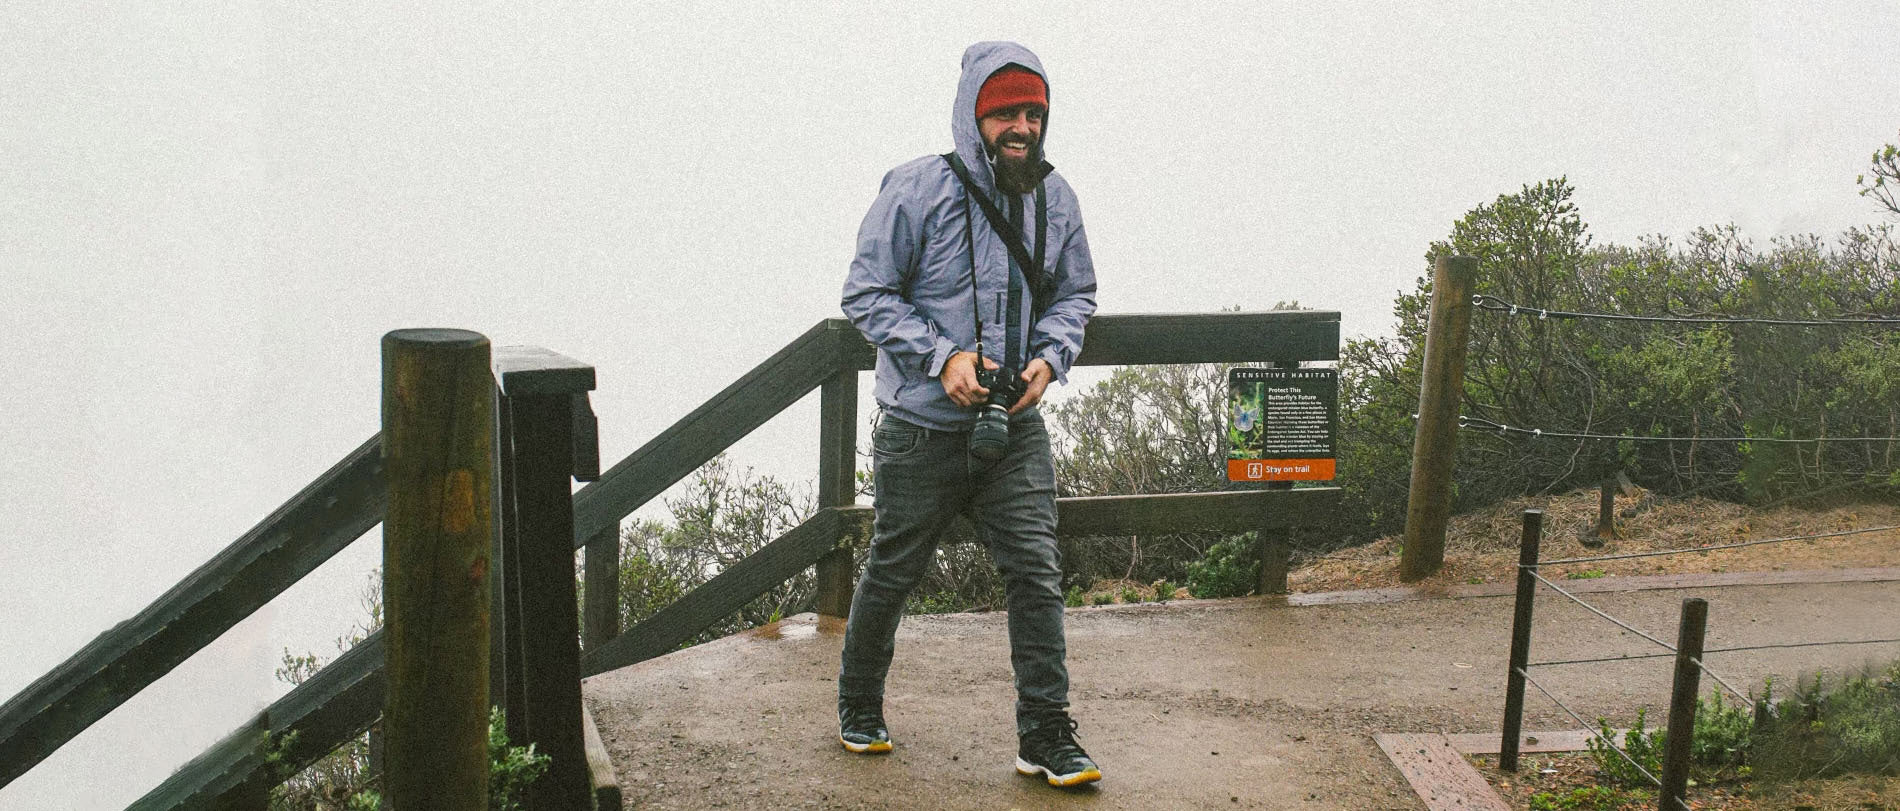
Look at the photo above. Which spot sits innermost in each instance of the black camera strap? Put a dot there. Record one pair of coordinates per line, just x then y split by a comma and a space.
1012, 236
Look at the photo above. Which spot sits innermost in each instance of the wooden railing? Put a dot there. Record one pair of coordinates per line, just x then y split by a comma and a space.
345, 697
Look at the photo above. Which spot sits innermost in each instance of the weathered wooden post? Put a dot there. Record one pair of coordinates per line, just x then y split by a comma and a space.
600, 620
438, 423
1527, 553
538, 390
1440, 394
837, 483
1682, 704
1606, 515
1275, 552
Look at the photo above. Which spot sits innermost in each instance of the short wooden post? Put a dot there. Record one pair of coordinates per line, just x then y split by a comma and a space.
837, 484
1606, 515
438, 424
1275, 552
1527, 554
1682, 704
1441, 393
600, 621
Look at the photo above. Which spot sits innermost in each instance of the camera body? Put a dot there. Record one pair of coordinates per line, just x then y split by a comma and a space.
989, 438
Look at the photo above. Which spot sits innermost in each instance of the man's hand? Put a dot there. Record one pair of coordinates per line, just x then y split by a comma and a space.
959, 379
1035, 378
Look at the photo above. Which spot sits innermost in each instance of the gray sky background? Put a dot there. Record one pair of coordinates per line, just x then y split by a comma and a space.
211, 212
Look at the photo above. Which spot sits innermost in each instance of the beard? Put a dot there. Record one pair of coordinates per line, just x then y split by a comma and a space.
1018, 175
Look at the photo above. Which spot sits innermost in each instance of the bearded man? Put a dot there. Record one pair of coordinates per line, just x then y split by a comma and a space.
965, 322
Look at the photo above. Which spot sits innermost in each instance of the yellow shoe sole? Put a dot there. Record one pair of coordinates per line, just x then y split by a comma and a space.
873, 748
1059, 780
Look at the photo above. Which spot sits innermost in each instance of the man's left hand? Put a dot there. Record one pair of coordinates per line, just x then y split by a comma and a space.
1036, 377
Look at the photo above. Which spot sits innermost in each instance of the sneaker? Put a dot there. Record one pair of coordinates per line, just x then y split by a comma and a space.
861, 726
1049, 749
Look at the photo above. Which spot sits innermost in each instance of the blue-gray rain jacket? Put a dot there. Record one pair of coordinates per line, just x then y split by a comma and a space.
909, 287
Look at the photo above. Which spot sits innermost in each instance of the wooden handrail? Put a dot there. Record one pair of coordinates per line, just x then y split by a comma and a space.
292, 541
833, 344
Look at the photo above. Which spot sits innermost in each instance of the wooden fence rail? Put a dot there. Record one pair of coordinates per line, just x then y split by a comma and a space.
307, 530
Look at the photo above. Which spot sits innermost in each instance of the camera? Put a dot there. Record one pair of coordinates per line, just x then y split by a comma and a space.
990, 436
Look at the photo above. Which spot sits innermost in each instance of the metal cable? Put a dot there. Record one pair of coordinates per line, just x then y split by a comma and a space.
1488, 426
1601, 660
1803, 645
1722, 546
1586, 727
1495, 304
1599, 612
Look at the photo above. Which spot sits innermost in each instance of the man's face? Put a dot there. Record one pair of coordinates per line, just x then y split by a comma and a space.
1011, 134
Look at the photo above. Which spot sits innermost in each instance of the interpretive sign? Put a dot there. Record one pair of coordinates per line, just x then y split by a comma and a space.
1282, 424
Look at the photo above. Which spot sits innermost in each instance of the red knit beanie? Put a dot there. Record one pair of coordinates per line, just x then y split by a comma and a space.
1009, 87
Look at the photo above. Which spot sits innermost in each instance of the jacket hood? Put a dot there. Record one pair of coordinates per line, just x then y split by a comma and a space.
979, 61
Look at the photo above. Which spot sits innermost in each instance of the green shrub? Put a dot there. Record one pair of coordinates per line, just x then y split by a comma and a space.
510, 768
1852, 727
1130, 595
1643, 746
1589, 798
1073, 597
1231, 568
1102, 598
1164, 590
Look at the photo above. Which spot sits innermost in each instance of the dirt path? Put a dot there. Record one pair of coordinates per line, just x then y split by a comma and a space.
1247, 703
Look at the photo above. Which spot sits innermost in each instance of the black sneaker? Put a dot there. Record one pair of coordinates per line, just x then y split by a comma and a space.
861, 726
1049, 749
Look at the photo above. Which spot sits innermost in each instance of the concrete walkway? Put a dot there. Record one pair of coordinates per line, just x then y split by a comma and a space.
1249, 703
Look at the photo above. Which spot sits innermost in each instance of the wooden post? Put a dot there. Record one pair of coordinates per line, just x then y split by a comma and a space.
837, 484
600, 622
1274, 549
1682, 704
1527, 553
1606, 515
1440, 394
438, 423
539, 388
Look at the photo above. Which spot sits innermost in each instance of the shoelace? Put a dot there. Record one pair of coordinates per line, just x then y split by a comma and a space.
863, 716
1062, 732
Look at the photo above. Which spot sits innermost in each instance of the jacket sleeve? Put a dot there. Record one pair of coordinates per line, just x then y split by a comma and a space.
889, 247
1057, 337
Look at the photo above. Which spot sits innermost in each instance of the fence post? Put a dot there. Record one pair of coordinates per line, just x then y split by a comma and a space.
1274, 548
1606, 515
438, 423
600, 622
837, 483
1682, 703
539, 389
1441, 391
1527, 553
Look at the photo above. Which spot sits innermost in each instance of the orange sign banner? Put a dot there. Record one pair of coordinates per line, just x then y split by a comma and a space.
1280, 470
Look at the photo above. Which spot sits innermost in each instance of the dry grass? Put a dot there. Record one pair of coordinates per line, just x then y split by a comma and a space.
1482, 546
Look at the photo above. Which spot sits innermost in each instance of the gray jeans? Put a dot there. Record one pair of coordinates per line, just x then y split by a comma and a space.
924, 479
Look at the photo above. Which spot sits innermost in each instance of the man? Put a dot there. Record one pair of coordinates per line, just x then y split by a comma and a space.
940, 292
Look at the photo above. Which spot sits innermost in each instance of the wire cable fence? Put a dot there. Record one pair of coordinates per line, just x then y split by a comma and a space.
1689, 653
1498, 305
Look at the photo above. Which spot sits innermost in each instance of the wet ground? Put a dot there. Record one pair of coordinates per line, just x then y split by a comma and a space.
1248, 703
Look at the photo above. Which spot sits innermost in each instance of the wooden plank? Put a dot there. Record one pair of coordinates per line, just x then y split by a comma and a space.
337, 508
332, 707
600, 767
531, 370
1188, 338
1230, 511
729, 416
1440, 775
723, 595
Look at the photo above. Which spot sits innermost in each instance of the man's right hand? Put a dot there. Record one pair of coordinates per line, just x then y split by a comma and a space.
959, 378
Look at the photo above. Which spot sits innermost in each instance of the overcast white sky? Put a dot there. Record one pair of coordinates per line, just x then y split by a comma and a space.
211, 212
